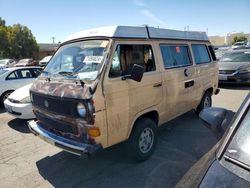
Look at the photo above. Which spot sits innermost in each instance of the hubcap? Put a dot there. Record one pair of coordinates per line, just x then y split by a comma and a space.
207, 102
146, 140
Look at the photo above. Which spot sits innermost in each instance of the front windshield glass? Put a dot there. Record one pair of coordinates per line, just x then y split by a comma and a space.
239, 148
236, 57
79, 60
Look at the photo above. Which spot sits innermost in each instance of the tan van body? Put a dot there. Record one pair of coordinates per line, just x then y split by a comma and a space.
161, 95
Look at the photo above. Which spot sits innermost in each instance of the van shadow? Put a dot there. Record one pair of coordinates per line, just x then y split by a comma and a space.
235, 86
19, 125
181, 142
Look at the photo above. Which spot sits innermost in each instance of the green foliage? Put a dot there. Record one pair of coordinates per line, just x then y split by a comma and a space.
2, 22
17, 42
239, 39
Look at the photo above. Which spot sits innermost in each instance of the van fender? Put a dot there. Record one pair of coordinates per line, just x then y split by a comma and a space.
140, 114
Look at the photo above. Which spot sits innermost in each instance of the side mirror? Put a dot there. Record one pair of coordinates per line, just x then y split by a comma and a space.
216, 119
136, 73
213, 116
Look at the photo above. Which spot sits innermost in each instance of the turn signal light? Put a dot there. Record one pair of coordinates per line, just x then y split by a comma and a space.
94, 132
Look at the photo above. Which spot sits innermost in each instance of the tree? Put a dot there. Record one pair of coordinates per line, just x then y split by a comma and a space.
239, 39
22, 42
2, 22
17, 41
4, 41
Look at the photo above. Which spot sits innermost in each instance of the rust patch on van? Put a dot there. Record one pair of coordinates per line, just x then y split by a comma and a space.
61, 89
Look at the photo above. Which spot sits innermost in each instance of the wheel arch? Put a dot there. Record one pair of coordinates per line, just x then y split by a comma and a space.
1, 97
151, 114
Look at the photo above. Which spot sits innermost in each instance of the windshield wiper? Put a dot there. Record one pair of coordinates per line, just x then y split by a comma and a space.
67, 73
237, 162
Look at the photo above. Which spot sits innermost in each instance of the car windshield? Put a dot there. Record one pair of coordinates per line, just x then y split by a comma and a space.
239, 148
236, 57
79, 60
239, 44
3, 62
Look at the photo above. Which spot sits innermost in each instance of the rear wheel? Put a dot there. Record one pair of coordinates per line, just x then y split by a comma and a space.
4, 96
206, 102
142, 141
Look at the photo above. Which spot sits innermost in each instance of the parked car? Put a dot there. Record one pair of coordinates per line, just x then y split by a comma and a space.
26, 62
228, 163
220, 52
121, 86
18, 103
4, 63
234, 67
239, 45
44, 61
14, 78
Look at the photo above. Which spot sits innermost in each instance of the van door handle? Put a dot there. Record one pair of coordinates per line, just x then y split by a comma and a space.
157, 84
189, 83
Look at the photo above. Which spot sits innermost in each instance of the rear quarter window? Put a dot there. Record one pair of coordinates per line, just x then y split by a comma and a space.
201, 54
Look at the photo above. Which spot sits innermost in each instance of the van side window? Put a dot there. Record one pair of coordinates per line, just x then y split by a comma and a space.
175, 55
201, 54
125, 56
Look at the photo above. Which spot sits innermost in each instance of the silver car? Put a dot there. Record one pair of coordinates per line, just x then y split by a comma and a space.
234, 67
7, 63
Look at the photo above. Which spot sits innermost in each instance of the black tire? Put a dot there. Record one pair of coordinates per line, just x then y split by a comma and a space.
4, 96
206, 101
142, 141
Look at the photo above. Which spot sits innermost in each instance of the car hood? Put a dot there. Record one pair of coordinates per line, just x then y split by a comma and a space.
233, 65
21, 93
64, 88
220, 176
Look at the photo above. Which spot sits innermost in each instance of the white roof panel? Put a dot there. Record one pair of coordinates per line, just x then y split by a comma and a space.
138, 32
175, 34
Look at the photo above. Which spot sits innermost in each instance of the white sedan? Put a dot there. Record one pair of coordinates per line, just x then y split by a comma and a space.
14, 78
18, 103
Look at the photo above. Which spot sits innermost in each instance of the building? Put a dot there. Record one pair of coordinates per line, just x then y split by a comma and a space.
227, 40
46, 49
218, 40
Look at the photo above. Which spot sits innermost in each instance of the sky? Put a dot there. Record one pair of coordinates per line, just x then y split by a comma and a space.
60, 18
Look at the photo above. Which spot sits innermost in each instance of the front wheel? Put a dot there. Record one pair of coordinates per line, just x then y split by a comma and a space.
142, 141
206, 102
4, 97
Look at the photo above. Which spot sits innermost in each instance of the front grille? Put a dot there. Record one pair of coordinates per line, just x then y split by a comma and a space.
226, 71
55, 104
48, 124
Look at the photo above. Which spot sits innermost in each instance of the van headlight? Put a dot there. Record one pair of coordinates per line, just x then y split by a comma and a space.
81, 110
25, 100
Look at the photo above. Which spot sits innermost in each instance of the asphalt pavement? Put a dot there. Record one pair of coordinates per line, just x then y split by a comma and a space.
27, 161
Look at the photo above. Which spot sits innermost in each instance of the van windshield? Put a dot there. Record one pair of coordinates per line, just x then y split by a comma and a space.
79, 60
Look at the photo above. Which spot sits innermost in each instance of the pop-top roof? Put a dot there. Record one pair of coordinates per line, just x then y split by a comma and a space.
138, 32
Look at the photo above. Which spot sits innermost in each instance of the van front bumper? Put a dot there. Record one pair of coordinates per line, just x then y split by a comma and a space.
81, 149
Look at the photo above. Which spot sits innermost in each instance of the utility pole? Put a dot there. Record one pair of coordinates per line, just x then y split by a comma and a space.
53, 39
